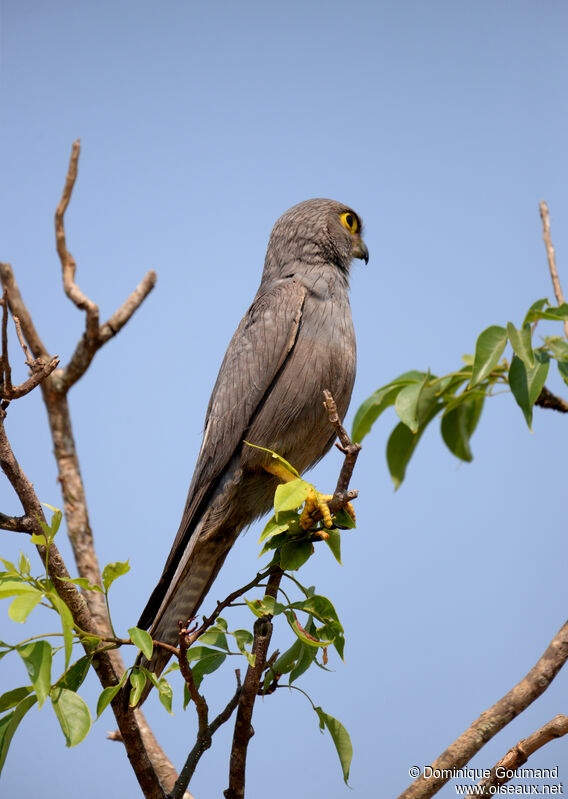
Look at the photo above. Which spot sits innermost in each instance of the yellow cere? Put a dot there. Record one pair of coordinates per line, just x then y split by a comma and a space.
350, 221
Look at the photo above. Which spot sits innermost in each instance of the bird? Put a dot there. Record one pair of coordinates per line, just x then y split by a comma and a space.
294, 341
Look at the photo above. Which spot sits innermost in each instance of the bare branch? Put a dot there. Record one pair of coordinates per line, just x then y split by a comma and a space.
39, 369
87, 348
208, 620
543, 208
19, 310
5, 370
205, 730
546, 399
194, 756
519, 754
17, 524
68, 265
493, 720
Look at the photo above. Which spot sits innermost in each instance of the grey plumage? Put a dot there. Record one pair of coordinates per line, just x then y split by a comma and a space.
295, 340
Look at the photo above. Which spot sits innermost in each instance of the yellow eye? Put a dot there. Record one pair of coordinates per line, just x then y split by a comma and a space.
350, 221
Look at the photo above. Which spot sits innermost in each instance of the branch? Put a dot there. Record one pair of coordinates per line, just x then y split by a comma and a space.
205, 730
543, 208
19, 310
519, 754
102, 661
87, 347
38, 367
208, 620
68, 264
493, 720
17, 524
546, 399
147, 758
243, 728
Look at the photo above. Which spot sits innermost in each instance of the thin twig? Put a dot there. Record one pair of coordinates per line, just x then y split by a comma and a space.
5, 370
87, 348
68, 265
543, 208
18, 309
504, 770
195, 755
495, 718
208, 620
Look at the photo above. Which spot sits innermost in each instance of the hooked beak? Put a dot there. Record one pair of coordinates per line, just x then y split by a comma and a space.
360, 250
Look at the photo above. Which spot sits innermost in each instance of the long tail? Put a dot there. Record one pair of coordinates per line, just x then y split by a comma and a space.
191, 582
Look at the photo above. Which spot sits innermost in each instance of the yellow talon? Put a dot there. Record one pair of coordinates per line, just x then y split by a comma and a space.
315, 502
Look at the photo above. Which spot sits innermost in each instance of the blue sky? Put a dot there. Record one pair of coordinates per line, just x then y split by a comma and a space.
443, 124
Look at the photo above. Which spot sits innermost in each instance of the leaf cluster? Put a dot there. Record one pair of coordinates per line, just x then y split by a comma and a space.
458, 397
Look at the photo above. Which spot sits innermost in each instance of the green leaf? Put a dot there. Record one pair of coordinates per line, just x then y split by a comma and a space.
406, 404
307, 657
165, 694
214, 638
458, 425
558, 345
304, 633
138, 681
21, 607
343, 520
265, 606
289, 496
275, 527
521, 341
558, 313
38, 538
563, 369
333, 541
287, 660
72, 713
276, 456
112, 571
37, 659
467, 396
10, 586
488, 350
9, 724
143, 640
75, 675
318, 606
340, 738
14, 697
24, 564
372, 408
402, 443
531, 315
10, 567
207, 665
526, 384
55, 520
66, 623
295, 553
200, 652
108, 694
242, 638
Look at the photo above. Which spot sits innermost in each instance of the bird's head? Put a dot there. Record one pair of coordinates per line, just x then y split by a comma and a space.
314, 233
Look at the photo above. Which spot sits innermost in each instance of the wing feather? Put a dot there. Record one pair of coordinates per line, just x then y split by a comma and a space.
258, 350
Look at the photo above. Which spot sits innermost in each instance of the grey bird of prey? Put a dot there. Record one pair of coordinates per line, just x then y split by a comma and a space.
295, 340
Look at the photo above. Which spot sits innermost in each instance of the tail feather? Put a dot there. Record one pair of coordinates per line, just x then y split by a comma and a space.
184, 597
